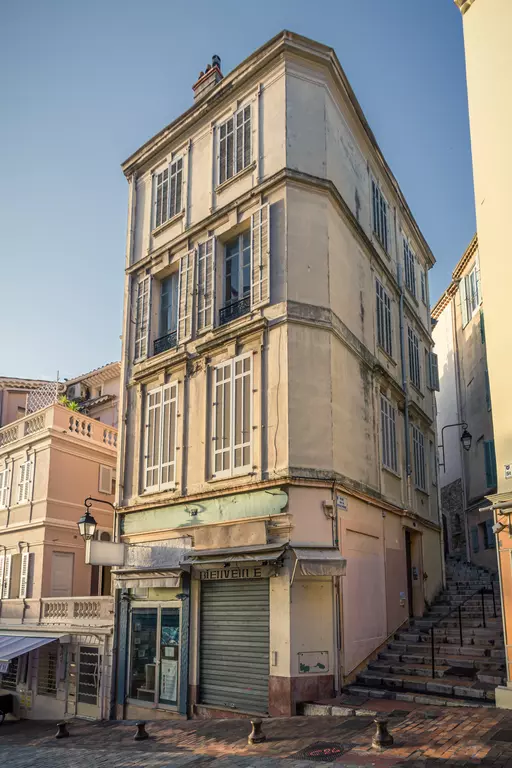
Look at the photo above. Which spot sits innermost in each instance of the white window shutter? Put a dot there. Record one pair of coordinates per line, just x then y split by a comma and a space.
6, 588
142, 318
25, 482
168, 434
463, 302
24, 572
478, 283
105, 479
186, 296
260, 257
2, 565
5, 487
205, 285
152, 439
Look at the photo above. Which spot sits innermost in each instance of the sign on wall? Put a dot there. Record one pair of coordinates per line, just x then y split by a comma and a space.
233, 572
313, 662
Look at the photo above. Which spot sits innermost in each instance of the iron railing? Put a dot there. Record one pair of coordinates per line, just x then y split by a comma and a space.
234, 309
482, 591
165, 342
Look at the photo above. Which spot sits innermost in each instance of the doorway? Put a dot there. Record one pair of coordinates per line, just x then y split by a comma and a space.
88, 681
408, 560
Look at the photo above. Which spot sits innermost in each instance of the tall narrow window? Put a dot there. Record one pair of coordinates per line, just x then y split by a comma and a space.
237, 277
168, 320
487, 397
384, 329
168, 192
414, 358
423, 279
161, 183
409, 267
418, 445
142, 318
160, 438
380, 216
235, 144
25, 481
388, 434
205, 284
232, 416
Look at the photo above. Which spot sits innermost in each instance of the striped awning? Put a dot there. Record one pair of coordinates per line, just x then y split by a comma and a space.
14, 645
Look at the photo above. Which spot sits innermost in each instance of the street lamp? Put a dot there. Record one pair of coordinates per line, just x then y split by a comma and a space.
466, 439
87, 526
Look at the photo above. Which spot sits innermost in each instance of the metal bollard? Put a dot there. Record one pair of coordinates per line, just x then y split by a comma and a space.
382, 737
62, 730
256, 736
141, 733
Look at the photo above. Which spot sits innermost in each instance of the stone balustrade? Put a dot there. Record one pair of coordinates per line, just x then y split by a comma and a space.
69, 611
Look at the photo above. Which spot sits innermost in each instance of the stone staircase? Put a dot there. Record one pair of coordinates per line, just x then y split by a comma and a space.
467, 673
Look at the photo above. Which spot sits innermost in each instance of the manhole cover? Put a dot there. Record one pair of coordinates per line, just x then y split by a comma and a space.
502, 736
321, 752
460, 672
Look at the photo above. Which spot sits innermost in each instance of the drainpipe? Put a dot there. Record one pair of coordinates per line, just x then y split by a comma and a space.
336, 597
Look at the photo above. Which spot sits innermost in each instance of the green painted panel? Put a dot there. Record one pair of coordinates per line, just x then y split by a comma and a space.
221, 509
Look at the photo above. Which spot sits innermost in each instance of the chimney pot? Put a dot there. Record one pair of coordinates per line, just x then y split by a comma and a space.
208, 79
216, 61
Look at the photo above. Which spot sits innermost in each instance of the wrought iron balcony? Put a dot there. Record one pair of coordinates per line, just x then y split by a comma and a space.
165, 342
234, 309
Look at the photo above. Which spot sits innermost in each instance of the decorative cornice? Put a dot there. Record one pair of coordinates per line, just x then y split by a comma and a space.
464, 5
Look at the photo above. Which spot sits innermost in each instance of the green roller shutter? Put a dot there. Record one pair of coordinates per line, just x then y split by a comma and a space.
234, 644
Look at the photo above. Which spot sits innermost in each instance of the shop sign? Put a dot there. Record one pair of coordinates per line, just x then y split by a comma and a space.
230, 573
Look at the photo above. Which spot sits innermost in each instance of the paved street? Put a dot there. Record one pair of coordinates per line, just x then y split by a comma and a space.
423, 739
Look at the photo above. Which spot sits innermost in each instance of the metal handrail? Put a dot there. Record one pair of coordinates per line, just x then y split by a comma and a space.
481, 591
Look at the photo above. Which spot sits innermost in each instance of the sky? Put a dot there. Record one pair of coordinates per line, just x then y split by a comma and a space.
83, 85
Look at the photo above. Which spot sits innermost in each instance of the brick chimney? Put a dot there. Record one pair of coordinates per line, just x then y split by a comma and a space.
208, 79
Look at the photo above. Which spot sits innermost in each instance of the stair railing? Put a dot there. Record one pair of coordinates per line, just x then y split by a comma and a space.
480, 591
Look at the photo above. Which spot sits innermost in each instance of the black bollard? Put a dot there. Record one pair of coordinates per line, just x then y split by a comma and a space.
256, 736
382, 737
62, 730
141, 734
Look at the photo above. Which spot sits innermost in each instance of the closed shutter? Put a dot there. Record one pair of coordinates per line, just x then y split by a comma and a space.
24, 574
234, 644
4, 487
105, 479
186, 296
491, 539
142, 318
6, 584
433, 371
490, 464
474, 539
62, 574
260, 257
205, 284
463, 302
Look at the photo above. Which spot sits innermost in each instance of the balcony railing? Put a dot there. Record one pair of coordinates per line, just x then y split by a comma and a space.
234, 309
61, 419
78, 611
165, 342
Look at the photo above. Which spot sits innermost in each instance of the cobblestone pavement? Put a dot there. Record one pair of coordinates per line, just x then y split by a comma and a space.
440, 738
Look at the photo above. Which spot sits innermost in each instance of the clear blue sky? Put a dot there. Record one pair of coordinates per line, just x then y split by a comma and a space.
83, 84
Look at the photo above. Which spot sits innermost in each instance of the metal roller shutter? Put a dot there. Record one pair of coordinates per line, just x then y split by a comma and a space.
234, 651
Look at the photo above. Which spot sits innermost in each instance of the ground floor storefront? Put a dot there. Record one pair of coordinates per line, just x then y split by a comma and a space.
276, 601
57, 675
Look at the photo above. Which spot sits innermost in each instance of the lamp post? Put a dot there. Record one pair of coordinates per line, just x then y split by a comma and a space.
87, 524
466, 439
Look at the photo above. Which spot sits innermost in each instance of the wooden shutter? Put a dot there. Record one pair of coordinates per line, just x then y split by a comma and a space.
490, 464
463, 302
7, 577
222, 411
205, 285
260, 257
152, 441
24, 573
478, 283
25, 483
487, 390
186, 296
168, 431
491, 539
62, 574
2, 565
242, 411
482, 327
105, 479
142, 318
433, 371
5, 477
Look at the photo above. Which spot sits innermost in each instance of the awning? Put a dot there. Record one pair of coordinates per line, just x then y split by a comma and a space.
264, 553
14, 645
320, 561
142, 578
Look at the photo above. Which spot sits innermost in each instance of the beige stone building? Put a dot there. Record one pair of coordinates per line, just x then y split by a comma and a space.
489, 72
56, 612
467, 475
277, 476
97, 393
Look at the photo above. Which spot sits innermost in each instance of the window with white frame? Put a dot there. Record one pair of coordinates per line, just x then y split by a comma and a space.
418, 448
423, 285
235, 144
25, 481
470, 294
142, 318
168, 191
380, 216
388, 434
232, 416
384, 327
160, 437
168, 305
414, 357
409, 267
237, 269
5, 487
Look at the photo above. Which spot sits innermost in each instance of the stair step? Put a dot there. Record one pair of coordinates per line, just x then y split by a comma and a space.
447, 687
417, 698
